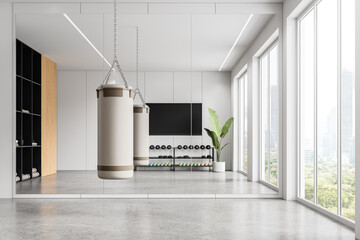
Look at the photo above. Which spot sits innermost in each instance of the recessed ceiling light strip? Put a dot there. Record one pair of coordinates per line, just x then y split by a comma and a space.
83, 35
236, 41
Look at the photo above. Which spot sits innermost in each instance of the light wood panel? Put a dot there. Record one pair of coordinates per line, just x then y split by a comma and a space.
48, 116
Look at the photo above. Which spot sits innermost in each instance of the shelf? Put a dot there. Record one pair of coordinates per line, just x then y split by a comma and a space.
33, 114
177, 165
28, 97
24, 78
189, 159
155, 166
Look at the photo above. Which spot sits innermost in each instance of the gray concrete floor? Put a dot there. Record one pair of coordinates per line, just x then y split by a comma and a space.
165, 219
144, 182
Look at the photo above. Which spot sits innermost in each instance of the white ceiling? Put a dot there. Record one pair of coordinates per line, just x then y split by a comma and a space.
166, 41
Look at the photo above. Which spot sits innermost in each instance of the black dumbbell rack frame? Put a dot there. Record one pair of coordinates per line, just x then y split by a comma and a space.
174, 160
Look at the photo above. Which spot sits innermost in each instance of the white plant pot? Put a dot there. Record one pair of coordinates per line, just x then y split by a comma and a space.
219, 167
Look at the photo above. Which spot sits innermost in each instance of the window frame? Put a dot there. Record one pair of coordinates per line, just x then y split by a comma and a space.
242, 103
266, 53
338, 214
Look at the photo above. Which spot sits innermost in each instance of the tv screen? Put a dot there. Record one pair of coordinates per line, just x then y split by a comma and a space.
175, 118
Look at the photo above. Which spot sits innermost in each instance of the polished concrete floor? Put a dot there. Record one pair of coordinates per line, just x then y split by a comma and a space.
144, 182
165, 219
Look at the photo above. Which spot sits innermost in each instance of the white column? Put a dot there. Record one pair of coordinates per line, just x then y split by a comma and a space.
290, 110
357, 118
7, 102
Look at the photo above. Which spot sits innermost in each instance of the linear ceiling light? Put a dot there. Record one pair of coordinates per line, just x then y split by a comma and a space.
236, 41
83, 35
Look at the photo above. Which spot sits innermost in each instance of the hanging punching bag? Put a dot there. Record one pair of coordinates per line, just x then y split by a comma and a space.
141, 135
115, 132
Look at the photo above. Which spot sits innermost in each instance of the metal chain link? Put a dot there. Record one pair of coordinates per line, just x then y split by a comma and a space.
137, 90
115, 61
137, 57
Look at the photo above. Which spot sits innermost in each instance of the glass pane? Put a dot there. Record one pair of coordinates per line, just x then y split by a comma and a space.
347, 108
307, 103
245, 121
264, 118
274, 115
327, 104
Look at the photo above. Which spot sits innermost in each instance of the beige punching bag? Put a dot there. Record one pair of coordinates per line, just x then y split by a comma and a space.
115, 132
141, 135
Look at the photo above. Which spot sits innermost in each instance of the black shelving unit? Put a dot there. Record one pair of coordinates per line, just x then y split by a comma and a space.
28, 110
175, 160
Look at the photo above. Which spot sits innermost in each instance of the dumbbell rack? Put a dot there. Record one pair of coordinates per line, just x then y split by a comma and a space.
175, 160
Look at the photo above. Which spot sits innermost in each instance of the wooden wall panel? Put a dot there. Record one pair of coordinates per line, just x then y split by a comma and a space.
48, 116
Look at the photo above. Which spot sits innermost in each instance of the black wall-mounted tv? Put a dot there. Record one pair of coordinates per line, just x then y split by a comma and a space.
175, 118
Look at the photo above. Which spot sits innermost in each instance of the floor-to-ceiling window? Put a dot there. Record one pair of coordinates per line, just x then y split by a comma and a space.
269, 79
326, 40
243, 109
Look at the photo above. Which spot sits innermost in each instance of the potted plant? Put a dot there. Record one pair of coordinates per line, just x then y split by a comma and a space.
217, 134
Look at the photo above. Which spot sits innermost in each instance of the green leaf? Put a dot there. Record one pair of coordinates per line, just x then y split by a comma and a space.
214, 138
214, 122
224, 146
226, 127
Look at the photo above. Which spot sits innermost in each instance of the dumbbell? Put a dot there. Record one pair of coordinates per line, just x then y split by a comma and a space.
163, 147
203, 156
185, 147
208, 146
168, 147
208, 156
152, 147
191, 147
197, 147
157, 147
202, 147
179, 147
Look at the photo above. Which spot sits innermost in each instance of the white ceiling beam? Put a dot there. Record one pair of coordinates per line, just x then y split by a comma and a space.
149, 8
47, 8
122, 8
182, 8
248, 8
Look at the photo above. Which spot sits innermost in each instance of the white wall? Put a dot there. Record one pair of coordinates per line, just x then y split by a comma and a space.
7, 102
77, 123
250, 61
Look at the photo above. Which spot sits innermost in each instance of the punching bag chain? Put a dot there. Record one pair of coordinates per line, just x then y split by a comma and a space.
137, 90
115, 62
